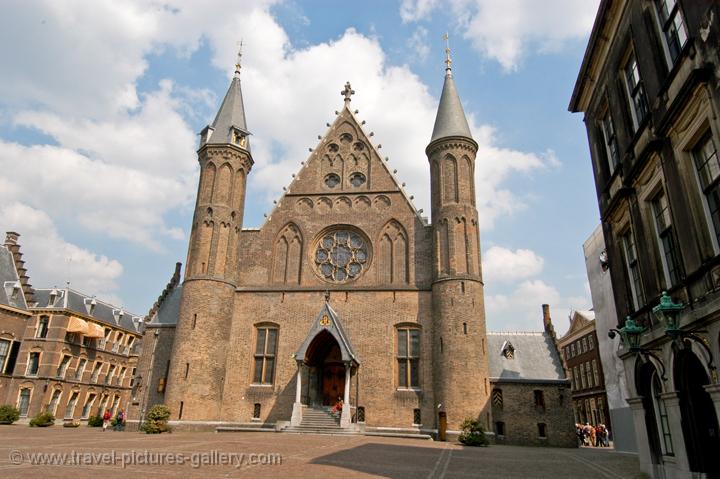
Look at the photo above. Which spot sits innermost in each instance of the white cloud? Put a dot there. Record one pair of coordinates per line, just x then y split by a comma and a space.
523, 305
51, 260
505, 31
418, 45
124, 160
502, 264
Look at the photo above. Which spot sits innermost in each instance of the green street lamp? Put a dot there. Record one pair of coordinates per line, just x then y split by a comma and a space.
667, 313
630, 334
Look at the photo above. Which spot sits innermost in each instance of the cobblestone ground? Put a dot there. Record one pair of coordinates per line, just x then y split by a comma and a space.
88, 452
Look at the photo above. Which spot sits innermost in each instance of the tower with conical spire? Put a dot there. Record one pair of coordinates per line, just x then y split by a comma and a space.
197, 372
460, 361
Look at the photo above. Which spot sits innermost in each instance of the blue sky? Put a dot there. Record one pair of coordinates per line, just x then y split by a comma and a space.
102, 102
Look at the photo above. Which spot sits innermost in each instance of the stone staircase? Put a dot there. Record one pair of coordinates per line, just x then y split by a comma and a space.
318, 420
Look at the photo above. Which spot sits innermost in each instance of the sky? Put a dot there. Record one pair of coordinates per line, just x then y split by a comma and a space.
102, 102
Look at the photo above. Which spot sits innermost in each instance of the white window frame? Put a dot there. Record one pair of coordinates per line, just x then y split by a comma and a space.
631, 57
63, 366
80, 368
27, 368
52, 408
663, 37
87, 407
70, 409
628, 232
29, 402
706, 206
4, 361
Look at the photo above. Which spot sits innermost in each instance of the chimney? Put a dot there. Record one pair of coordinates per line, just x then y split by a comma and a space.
11, 242
547, 320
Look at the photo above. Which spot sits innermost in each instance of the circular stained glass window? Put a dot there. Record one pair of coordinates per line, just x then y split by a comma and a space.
332, 180
341, 255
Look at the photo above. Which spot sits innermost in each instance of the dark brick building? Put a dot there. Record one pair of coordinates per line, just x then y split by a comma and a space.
649, 90
581, 357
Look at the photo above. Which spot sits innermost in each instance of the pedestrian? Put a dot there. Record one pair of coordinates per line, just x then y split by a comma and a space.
593, 437
120, 421
106, 419
338, 406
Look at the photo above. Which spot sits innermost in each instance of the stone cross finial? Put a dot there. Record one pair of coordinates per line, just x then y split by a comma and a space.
327, 296
347, 92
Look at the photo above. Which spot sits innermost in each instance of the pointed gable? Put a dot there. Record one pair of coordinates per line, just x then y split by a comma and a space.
344, 165
328, 320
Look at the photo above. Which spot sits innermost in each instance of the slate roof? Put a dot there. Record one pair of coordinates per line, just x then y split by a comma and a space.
11, 293
450, 119
535, 358
231, 115
78, 302
169, 310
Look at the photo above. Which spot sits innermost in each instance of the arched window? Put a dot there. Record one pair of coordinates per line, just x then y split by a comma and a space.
265, 350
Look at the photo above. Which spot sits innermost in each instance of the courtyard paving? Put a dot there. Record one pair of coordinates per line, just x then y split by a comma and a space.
89, 452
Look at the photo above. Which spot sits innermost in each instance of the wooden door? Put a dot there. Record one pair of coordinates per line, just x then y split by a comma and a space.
333, 383
442, 426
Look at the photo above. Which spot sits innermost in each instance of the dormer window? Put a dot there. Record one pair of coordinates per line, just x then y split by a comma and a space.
54, 294
118, 314
508, 350
90, 304
205, 135
239, 138
12, 289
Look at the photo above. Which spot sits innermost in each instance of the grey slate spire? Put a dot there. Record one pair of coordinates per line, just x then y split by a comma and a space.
450, 119
230, 119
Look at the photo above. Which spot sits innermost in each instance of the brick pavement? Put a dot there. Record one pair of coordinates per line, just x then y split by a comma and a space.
301, 456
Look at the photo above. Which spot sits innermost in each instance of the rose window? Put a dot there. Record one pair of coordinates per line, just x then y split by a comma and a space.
341, 255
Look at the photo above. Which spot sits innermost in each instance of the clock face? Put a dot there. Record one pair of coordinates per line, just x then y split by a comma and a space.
341, 256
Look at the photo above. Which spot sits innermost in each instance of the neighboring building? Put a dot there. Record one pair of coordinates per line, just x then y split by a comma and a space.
68, 353
649, 87
584, 368
14, 313
623, 430
531, 403
157, 341
344, 292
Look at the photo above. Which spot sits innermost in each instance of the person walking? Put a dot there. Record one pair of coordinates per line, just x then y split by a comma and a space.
106, 419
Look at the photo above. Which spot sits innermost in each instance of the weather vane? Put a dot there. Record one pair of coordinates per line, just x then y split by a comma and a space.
448, 60
239, 57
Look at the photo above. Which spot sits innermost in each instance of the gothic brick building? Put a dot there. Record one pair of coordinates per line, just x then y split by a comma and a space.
345, 293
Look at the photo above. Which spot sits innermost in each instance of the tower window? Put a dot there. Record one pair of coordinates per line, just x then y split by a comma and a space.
256, 410
417, 417
500, 428
542, 430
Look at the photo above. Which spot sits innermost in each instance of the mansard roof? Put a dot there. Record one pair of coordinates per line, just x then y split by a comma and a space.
534, 358
11, 291
328, 320
88, 306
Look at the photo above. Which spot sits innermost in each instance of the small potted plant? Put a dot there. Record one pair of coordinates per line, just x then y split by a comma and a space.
8, 414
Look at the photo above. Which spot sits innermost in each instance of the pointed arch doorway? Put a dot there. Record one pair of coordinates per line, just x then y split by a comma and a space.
325, 372
326, 361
